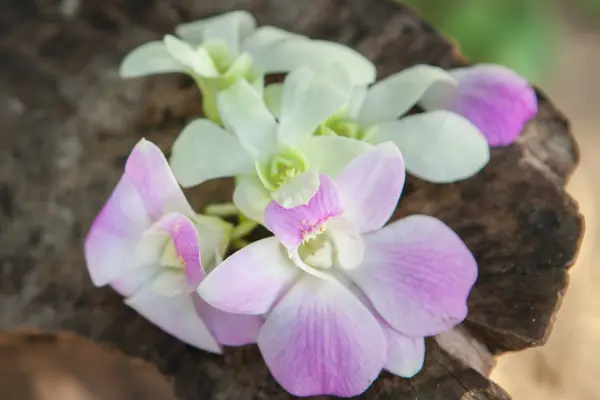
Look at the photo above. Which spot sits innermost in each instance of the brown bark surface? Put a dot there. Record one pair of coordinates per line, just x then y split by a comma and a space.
68, 123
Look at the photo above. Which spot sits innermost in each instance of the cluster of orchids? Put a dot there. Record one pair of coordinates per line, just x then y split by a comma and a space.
336, 294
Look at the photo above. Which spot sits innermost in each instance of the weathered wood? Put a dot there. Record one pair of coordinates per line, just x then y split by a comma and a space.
68, 123
36, 366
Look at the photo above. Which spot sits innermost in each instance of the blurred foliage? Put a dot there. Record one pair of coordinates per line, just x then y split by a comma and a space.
521, 34
591, 7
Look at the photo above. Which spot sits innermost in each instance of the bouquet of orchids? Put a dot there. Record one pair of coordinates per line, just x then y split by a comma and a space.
335, 295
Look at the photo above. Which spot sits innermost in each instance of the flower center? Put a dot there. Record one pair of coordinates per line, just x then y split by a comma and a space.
281, 168
317, 250
341, 126
170, 258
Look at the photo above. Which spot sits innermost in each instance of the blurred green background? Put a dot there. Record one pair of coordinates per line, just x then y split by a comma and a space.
521, 34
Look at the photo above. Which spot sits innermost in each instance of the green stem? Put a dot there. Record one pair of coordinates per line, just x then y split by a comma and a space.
221, 210
209, 101
239, 243
243, 229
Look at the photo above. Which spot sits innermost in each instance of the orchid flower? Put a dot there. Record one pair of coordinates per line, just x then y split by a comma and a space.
150, 246
219, 50
494, 98
438, 146
343, 296
272, 160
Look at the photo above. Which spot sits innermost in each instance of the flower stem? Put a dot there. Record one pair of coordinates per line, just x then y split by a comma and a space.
243, 228
239, 243
221, 210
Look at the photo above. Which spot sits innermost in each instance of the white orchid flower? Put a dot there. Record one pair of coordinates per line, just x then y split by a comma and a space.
219, 50
272, 160
439, 146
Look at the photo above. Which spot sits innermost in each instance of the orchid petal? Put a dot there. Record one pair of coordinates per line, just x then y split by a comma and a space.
272, 97
308, 99
321, 340
251, 197
370, 186
185, 240
494, 98
395, 95
197, 59
266, 36
110, 243
417, 273
176, 316
229, 329
357, 98
348, 243
110, 247
204, 151
231, 26
169, 283
251, 280
297, 190
129, 282
244, 112
292, 225
330, 154
405, 355
147, 59
149, 171
438, 146
213, 236
288, 55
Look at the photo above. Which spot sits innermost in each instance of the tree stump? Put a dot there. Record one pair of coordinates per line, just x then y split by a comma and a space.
68, 123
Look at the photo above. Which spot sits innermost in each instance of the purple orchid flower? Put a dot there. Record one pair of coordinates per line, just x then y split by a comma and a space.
147, 244
494, 98
343, 296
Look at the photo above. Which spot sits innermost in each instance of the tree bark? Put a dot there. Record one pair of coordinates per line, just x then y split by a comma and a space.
69, 123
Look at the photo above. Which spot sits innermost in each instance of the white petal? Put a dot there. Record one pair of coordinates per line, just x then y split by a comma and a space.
169, 282
242, 110
147, 59
357, 98
272, 96
251, 197
232, 27
267, 36
308, 99
437, 146
289, 55
197, 59
213, 236
394, 96
330, 154
348, 243
205, 151
297, 190
405, 354
135, 278
175, 315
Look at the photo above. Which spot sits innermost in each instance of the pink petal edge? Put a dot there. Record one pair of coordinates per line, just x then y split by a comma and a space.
496, 100
370, 186
418, 273
184, 234
321, 340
